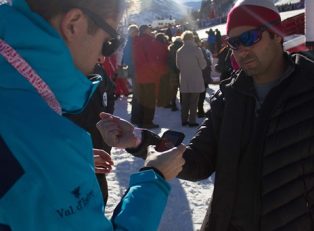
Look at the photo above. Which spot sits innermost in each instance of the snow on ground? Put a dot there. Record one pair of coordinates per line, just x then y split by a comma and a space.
188, 201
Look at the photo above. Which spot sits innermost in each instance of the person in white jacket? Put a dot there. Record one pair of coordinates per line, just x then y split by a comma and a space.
190, 61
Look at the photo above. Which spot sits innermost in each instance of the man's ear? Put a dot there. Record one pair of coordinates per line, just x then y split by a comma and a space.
73, 23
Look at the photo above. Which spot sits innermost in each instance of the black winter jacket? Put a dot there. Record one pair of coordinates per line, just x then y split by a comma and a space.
264, 160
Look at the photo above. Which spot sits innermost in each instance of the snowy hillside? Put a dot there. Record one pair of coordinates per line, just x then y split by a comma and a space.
195, 5
144, 12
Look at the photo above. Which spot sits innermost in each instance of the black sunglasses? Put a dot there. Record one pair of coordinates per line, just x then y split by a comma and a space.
110, 46
247, 38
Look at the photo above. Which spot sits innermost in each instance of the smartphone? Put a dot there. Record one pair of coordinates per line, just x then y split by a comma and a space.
169, 140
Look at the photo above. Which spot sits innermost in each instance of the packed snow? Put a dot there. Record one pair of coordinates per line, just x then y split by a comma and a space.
188, 201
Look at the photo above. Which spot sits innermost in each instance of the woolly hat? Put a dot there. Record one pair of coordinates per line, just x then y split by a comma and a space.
254, 13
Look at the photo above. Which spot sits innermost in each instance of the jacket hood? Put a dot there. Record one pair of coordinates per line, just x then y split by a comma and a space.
46, 52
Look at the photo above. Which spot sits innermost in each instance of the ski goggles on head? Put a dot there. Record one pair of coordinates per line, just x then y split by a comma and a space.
247, 38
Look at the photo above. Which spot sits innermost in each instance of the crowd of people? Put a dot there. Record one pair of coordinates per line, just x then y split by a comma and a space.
214, 40
291, 6
55, 85
159, 68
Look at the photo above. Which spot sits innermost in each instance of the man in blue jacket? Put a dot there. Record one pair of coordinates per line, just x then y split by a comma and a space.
47, 179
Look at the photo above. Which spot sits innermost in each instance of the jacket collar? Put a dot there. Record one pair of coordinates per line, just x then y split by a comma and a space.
240, 82
46, 52
189, 43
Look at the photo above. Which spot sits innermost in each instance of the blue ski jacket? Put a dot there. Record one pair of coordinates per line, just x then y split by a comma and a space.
47, 178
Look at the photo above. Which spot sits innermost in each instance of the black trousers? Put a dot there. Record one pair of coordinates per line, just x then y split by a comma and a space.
146, 103
201, 99
135, 105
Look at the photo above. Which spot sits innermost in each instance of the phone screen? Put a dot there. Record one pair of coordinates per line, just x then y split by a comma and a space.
169, 140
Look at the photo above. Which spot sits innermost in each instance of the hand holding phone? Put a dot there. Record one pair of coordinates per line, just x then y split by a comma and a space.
169, 140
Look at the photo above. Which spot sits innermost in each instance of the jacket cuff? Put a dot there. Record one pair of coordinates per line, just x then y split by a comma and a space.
154, 169
149, 176
148, 138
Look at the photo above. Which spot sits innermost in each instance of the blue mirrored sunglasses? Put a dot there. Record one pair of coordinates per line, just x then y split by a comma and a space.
247, 39
110, 46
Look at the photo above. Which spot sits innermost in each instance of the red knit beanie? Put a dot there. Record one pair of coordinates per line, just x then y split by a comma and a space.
255, 13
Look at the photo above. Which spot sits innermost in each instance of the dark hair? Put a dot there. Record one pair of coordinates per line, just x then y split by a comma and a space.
143, 28
162, 38
105, 8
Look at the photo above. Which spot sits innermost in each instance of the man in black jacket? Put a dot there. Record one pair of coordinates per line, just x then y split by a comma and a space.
259, 134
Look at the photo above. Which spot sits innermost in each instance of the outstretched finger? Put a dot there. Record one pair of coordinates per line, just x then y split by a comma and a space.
104, 115
103, 169
99, 161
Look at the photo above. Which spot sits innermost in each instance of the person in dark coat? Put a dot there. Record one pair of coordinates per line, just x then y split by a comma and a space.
224, 66
163, 86
174, 72
206, 76
128, 59
102, 101
169, 32
211, 39
258, 135
218, 40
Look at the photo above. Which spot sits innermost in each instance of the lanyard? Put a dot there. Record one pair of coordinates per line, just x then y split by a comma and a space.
30, 75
